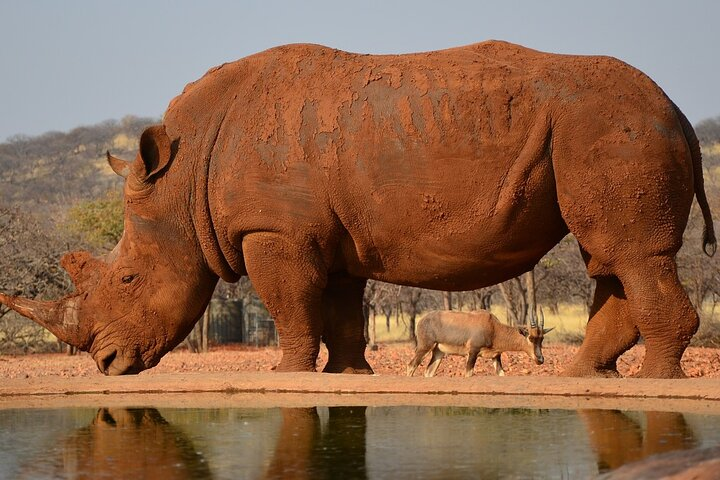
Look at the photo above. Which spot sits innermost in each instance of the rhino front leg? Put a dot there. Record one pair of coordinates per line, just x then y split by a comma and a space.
290, 282
344, 325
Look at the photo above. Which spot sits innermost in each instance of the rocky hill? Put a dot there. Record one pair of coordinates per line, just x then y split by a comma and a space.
48, 173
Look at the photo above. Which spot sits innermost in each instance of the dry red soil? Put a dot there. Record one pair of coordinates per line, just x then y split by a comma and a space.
388, 359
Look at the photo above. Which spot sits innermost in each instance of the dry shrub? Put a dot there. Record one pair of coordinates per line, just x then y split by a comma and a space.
568, 337
708, 335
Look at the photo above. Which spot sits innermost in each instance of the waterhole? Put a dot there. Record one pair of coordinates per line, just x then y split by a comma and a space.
348, 442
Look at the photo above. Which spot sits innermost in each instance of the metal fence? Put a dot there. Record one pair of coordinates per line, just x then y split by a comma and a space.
258, 327
231, 322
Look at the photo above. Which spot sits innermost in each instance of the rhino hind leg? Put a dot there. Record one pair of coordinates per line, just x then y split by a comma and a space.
648, 301
610, 332
288, 282
628, 212
344, 325
663, 314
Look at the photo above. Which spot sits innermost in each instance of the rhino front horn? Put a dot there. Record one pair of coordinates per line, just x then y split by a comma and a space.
60, 317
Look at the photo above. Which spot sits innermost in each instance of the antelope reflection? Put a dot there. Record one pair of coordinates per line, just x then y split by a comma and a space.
618, 439
128, 443
306, 450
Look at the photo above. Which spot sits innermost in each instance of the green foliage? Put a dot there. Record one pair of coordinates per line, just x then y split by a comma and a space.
99, 222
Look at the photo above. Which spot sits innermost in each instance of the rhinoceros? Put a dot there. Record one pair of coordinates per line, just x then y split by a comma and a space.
311, 170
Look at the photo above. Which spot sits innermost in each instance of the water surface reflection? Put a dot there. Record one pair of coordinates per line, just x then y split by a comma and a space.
122, 443
305, 450
618, 439
408, 442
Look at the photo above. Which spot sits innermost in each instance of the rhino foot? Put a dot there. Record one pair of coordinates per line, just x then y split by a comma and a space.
579, 370
660, 371
365, 369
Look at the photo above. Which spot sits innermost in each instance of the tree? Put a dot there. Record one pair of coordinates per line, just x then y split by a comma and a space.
708, 131
481, 299
378, 297
561, 276
699, 274
415, 301
515, 296
29, 263
412, 298
447, 300
99, 222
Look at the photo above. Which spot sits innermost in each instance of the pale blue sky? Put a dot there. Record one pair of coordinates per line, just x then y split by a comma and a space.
71, 63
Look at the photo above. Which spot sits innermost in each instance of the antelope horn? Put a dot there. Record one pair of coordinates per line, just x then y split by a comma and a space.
60, 317
119, 166
542, 324
533, 318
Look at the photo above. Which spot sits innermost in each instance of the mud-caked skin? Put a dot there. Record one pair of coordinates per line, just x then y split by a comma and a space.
312, 170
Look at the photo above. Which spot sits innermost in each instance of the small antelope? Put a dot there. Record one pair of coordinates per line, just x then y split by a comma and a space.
472, 334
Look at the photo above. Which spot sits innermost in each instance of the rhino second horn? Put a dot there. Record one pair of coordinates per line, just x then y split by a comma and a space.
60, 317
119, 166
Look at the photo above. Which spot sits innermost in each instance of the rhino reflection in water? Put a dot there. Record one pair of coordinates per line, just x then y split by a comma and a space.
305, 450
127, 443
618, 439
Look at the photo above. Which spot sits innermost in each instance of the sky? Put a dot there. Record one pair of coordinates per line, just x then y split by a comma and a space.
80, 62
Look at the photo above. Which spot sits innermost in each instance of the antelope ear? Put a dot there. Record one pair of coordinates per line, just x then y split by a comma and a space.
523, 331
548, 330
156, 152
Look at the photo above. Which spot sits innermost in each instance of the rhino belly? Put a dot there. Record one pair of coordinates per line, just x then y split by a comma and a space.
443, 259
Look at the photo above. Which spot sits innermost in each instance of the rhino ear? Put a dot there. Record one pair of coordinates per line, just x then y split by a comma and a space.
156, 151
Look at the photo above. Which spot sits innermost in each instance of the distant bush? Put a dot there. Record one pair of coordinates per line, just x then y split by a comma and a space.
708, 335
29, 267
98, 222
708, 131
19, 335
570, 338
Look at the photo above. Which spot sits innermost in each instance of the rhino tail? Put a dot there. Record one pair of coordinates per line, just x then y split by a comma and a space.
709, 240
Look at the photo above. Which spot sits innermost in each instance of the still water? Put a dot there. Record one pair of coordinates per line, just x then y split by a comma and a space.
338, 442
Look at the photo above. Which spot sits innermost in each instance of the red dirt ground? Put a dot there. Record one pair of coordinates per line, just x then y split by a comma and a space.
389, 359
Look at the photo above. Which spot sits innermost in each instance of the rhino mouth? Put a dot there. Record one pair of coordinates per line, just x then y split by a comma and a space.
112, 363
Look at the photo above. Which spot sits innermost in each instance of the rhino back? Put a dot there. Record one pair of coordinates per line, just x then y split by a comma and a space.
443, 150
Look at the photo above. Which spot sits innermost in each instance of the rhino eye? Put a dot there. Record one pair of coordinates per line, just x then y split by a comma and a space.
129, 278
